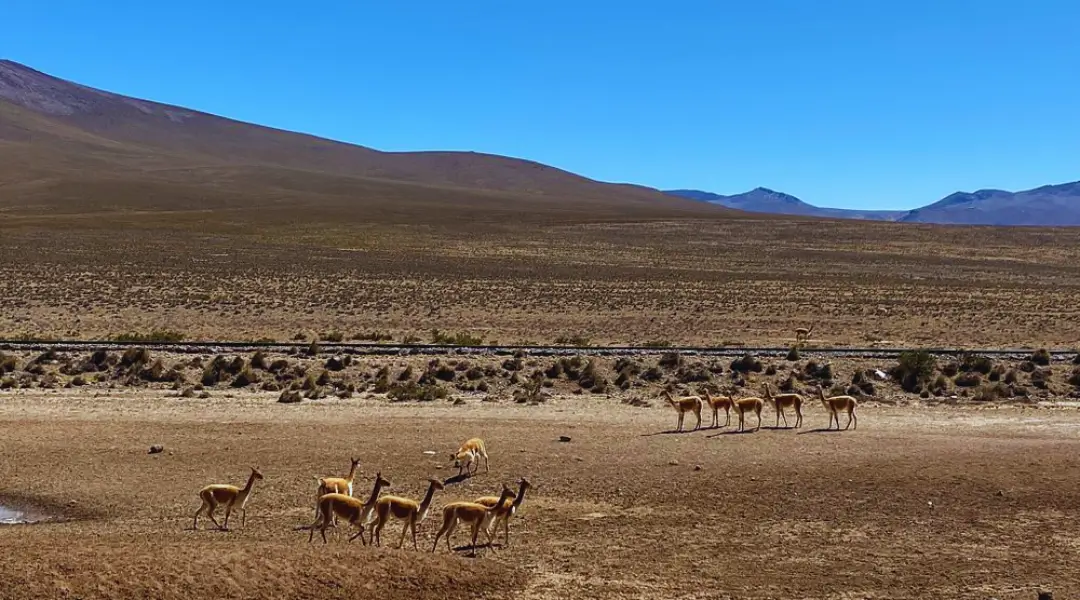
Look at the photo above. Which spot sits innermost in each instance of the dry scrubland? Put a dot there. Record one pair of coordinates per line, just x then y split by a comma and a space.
620, 511
737, 280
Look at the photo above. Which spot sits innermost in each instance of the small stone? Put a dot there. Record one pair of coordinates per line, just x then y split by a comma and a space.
1046, 595
156, 449
429, 452
564, 438
697, 467
674, 463
1000, 493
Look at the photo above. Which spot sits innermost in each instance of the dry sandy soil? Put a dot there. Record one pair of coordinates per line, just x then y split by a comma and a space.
723, 281
624, 510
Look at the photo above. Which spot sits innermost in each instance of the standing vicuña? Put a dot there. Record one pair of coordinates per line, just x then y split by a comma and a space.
338, 485
403, 509
470, 453
835, 404
803, 333
716, 403
476, 515
745, 405
231, 496
683, 405
356, 512
504, 514
780, 401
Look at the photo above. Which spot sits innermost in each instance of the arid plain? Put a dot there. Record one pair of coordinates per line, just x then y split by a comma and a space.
122, 218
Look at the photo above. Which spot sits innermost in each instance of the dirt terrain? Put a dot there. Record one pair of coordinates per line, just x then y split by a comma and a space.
623, 510
731, 281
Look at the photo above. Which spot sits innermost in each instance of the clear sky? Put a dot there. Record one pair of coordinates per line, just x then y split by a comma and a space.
849, 103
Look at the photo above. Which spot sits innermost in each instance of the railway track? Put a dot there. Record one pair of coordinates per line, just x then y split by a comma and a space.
387, 349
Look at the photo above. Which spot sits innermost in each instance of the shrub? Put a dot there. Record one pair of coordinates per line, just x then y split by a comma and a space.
258, 361
940, 386
382, 380
278, 365
863, 382
793, 354
338, 363
413, 391
770, 370
372, 336
976, 363
456, 339
133, 357
157, 335
1040, 357
628, 366
1028, 366
1074, 379
7, 363
290, 397
1076, 359
990, 393
818, 371
334, 337
1040, 378
968, 379
474, 374
572, 340
313, 348
406, 374
670, 360
156, 372
444, 373
245, 378
914, 369
1011, 377
951, 369
410, 339
652, 374
746, 364
997, 372
657, 344
512, 364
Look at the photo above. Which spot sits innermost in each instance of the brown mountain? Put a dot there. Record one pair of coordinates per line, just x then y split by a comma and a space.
74, 148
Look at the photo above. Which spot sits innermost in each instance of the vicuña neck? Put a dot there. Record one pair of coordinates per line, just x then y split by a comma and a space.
427, 497
375, 492
250, 483
520, 496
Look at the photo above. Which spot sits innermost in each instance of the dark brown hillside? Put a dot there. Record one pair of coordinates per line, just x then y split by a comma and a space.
57, 124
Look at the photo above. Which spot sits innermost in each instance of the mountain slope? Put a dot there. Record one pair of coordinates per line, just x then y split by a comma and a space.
764, 200
1055, 205
55, 134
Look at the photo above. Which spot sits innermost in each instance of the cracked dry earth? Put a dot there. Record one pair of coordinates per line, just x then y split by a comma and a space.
623, 510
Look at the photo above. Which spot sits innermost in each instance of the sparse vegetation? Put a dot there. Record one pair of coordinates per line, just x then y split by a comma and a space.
455, 339
156, 335
915, 368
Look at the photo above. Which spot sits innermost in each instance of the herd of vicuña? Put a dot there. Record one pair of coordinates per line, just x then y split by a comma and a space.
335, 500
753, 405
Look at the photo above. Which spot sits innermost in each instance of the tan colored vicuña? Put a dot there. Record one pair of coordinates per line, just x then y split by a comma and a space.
716, 403
338, 485
781, 401
835, 404
684, 405
231, 496
476, 515
470, 453
503, 515
803, 333
410, 511
745, 405
352, 509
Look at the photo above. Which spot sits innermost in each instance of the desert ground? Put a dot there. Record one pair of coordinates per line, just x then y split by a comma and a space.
696, 282
625, 509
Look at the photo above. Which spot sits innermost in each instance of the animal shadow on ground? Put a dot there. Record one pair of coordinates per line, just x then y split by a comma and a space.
732, 432
456, 479
819, 430
672, 432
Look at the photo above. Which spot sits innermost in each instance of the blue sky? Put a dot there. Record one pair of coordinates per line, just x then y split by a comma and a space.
849, 103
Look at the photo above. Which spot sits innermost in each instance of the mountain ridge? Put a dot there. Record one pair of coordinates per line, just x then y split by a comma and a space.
1047, 205
53, 130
